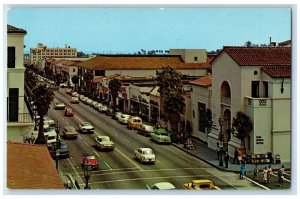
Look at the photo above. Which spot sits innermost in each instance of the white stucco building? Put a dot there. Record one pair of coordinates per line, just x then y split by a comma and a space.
19, 121
257, 81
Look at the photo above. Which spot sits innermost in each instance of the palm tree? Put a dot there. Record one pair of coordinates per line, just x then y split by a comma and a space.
174, 106
243, 124
43, 97
88, 77
75, 80
114, 88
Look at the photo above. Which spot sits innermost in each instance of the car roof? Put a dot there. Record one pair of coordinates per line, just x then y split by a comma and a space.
164, 185
69, 127
90, 157
145, 149
201, 181
102, 136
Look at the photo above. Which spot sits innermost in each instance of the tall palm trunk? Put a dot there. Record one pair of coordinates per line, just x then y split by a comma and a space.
41, 137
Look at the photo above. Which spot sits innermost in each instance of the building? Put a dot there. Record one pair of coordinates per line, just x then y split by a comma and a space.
257, 81
19, 121
200, 102
190, 55
30, 166
42, 52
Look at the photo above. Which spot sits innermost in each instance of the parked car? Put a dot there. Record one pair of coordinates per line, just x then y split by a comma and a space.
145, 130
69, 132
109, 112
75, 94
103, 108
104, 142
81, 97
74, 100
62, 152
88, 101
203, 184
134, 122
93, 103
160, 135
63, 85
59, 105
86, 127
48, 121
91, 160
50, 135
117, 115
69, 112
84, 99
162, 186
145, 155
124, 118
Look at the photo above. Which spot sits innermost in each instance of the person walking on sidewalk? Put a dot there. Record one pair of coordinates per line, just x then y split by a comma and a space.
255, 173
269, 174
280, 175
226, 159
265, 175
242, 170
218, 150
235, 157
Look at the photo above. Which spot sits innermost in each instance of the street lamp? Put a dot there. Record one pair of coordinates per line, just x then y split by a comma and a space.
56, 145
87, 174
221, 139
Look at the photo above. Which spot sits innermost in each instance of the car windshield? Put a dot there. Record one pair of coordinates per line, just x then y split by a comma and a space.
86, 124
148, 152
63, 146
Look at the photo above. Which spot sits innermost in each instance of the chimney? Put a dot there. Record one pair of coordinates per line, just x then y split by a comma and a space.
270, 40
66, 45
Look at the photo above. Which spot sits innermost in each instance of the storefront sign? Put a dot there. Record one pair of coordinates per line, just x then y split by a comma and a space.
259, 140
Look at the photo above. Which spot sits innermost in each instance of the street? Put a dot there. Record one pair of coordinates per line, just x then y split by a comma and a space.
118, 169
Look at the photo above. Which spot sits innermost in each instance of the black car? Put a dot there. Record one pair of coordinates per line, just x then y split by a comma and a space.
63, 151
109, 112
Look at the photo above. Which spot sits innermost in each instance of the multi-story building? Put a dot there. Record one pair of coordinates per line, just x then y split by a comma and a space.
19, 121
257, 81
42, 52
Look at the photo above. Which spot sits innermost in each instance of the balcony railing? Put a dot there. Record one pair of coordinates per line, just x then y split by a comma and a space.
21, 118
17, 108
226, 100
258, 102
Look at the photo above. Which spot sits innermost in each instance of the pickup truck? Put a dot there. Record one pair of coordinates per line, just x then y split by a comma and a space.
201, 185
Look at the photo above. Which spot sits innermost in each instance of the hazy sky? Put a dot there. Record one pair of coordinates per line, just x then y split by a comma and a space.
127, 30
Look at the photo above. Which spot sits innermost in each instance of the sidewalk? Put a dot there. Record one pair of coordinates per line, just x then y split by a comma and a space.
209, 156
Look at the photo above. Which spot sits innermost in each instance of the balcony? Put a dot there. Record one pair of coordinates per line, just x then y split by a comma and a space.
18, 110
226, 101
20, 118
258, 102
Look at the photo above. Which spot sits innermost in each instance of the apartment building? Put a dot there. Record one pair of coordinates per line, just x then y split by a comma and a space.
257, 81
19, 121
42, 52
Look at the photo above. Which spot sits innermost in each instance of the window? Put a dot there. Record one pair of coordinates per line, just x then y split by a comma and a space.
201, 110
255, 89
266, 90
99, 72
11, 57
74, 70
195, 58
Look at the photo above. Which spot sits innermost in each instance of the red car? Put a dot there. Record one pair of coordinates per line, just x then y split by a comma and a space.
91, 160
69, 112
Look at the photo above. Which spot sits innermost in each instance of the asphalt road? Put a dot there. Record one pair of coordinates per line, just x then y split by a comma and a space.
118, 169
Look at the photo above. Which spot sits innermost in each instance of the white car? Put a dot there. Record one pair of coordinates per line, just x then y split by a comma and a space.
59, 105
75, 94
86, 127
48, 121
63, 85
162, 186
88, 101
124, 118
103, 108
117, 115
104, 142
81, 97
145, 155
93, 103
98, 105
74, 100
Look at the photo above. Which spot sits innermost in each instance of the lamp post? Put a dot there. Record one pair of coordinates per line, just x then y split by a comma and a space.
87, 175
221, 140
57, 143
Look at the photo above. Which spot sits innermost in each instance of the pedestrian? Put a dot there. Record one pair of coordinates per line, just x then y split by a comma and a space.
235, 157
218, 150
280, 175
269, 174
265, 175
242, 170
255, 173
226, 159
240, 154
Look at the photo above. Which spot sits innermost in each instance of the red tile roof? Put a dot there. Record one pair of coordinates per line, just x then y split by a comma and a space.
259, 56
277, 71
205, 81
70, 63
30, 166
136, 62
12, 29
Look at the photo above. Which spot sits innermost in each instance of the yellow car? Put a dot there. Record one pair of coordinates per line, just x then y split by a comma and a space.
201, 185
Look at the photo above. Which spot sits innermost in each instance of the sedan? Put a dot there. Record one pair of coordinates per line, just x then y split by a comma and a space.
69, 112
124, 118
59, 105
145, 130
74, 100
145, 155
48, 121
104, 142
62, 152
89, 160
86, 127
69, 132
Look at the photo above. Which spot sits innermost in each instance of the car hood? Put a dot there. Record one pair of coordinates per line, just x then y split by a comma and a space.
87, 127
107, 143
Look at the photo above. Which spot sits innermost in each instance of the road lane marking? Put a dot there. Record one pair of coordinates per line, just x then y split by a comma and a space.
103, 160
254, 182
126, 140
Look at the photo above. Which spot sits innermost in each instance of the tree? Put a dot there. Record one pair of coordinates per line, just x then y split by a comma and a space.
248, 43
43, 97
88, 77
208, 120
114, 88
75, 80
243, 124
174, 105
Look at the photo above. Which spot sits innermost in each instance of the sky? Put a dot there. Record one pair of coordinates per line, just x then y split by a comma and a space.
93, 29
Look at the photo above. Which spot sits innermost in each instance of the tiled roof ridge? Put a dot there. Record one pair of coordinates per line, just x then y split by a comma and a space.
12, 29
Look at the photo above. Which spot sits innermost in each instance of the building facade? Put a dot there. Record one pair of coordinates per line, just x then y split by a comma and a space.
42, 52
256, 81
19, 121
